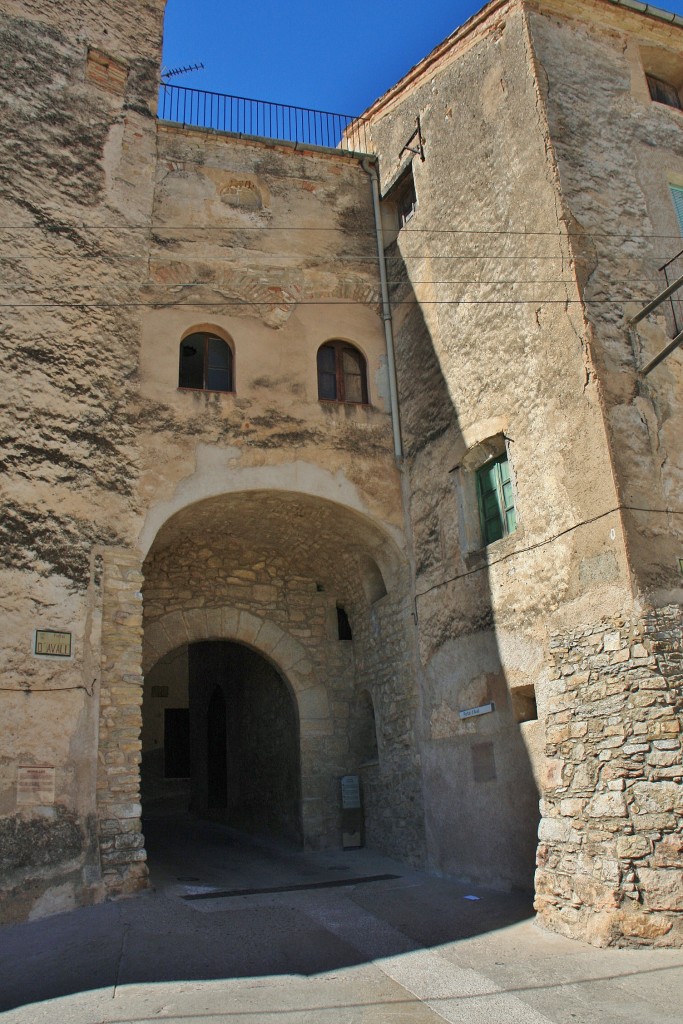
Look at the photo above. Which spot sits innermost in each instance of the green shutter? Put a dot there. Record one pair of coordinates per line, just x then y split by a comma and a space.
677, 199
496, 500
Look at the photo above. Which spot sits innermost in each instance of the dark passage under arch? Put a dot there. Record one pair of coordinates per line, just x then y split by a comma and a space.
243, 739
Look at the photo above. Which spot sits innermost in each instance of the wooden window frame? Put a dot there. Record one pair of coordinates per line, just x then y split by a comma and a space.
206, 336
507, 509
339, 348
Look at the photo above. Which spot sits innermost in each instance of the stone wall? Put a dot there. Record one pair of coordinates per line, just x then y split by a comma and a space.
119, 751
610, 859
76, 174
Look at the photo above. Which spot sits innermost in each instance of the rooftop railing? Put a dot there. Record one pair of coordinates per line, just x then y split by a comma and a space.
241, 116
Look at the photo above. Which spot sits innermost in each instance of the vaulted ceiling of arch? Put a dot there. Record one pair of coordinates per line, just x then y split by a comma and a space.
305, 536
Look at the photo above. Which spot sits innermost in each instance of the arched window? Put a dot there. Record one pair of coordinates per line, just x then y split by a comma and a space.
205, 363
341, 373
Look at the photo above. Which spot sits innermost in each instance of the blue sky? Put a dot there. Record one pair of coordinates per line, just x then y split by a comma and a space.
331, 56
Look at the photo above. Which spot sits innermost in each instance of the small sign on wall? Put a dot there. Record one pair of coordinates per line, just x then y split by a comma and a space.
350, 792
51, 644
35, 784
483, 709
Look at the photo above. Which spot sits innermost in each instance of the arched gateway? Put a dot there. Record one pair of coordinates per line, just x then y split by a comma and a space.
255, 601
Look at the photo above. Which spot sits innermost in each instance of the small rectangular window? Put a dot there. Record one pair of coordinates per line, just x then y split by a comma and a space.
496, 500
663, 92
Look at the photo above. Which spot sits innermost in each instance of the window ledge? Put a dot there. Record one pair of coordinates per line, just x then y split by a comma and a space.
666, 106
327, 402
204, 391
479, 557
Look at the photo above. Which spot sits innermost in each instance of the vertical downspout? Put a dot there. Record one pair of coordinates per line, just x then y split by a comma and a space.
371, 170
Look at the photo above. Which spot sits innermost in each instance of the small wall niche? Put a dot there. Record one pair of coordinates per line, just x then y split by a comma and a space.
524, 703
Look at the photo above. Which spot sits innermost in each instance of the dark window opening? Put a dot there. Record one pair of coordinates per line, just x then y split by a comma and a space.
663, 92
403, 196
341, 374
496, 500
406, 203
343, 625
176, 743
205, 363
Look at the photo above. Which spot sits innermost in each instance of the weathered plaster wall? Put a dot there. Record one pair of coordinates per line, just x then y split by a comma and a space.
615, 200
491, 341
77, 174
276, 280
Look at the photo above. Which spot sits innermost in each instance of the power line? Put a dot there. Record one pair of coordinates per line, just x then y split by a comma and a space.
264, 254
470, 281
544, 543
318, 302
153, 228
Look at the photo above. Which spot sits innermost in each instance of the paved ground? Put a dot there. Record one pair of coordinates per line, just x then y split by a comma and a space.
405, 950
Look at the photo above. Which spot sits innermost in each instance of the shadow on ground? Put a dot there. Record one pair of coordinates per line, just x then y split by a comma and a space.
162, 936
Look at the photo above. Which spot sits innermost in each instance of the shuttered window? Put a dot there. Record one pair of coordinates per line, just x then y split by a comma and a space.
496, 500
677, 199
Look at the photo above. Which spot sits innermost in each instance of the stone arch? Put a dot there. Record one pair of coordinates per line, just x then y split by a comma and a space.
217, 476
285, 652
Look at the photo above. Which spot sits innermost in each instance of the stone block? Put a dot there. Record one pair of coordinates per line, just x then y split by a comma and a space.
230, 622
656, 797
313, 704
126, 810
596, 894
642, 925
555, 830
669, 852
607, 805
612, 641
249, 627
662, 888
633, 847
664, 758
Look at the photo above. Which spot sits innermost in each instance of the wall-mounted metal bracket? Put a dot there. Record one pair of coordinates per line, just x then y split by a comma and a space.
418, 149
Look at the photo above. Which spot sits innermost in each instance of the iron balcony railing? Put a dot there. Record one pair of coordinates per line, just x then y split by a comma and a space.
669, 299
241, 116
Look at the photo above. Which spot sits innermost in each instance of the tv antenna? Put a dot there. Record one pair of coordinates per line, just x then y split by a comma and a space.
172, 72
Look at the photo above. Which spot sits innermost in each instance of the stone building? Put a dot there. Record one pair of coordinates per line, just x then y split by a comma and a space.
329, 461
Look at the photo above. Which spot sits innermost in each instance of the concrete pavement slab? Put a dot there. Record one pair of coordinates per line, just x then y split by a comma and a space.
408, 950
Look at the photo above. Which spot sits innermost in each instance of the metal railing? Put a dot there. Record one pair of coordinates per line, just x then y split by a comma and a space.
672, 270
241, 116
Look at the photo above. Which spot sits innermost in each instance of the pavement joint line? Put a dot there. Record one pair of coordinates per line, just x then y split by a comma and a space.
333, 883
124, 935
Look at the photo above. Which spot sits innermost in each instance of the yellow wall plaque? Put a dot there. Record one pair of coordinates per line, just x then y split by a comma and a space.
53, 644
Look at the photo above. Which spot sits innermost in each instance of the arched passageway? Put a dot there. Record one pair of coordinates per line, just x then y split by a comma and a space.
220, 738
264, 622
